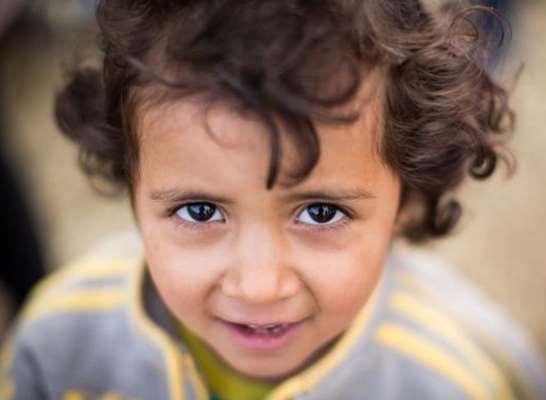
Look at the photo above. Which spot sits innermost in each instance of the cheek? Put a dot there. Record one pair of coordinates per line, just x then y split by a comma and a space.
183, 275
342, 281
346, 283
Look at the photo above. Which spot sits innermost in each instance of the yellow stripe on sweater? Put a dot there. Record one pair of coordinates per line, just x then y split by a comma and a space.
306, 381
51, 293
174, 360
417, 348
88, 269
96, 299
513, 373
448, 330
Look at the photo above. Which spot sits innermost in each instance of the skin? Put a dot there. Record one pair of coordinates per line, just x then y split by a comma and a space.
261, 258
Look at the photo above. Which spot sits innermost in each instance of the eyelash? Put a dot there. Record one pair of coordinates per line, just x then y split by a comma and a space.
179, 222
342, 223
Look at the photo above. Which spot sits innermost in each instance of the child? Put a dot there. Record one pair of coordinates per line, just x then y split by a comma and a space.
273, 150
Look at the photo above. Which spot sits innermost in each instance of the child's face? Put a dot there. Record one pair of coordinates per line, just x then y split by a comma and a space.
226, 252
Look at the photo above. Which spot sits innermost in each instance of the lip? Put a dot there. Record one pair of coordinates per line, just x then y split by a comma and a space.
262, 342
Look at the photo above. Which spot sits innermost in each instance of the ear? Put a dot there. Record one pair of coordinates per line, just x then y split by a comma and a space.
402, 220
406, 211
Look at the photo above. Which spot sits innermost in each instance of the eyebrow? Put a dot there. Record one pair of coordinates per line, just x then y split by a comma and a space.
179, 196
331, 195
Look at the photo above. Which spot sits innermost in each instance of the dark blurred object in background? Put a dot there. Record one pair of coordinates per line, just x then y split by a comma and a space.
22, 260
9, 12
22, 264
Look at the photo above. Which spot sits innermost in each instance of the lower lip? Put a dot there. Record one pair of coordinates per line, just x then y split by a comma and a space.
260, 342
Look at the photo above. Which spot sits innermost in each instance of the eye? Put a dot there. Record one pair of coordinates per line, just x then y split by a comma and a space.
196, 213
321, 214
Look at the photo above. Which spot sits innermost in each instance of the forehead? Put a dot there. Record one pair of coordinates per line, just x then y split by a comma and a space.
190, 134
178, 147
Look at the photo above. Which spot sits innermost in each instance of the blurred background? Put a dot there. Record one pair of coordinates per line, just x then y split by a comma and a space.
54, 215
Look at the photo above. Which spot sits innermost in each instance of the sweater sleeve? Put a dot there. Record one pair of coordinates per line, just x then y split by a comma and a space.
20, 374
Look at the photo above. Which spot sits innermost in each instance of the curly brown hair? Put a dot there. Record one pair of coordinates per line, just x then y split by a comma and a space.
276, 59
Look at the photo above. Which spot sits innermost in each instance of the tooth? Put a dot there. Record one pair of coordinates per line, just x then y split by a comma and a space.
266, 329
279, 328
257, 326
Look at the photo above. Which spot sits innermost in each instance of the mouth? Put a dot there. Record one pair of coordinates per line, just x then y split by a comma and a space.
263, 337
264, 329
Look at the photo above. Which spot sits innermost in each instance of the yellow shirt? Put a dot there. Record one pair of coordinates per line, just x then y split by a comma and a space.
223, 382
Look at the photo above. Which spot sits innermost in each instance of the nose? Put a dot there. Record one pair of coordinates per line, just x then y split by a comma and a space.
261, 272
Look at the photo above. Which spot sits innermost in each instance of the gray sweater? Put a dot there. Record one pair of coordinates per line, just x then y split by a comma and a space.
99, 330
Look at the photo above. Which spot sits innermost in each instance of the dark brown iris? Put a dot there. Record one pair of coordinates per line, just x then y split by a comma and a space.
321, 213
201, 212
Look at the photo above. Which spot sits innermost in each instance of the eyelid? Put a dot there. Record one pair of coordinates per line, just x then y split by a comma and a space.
173, 213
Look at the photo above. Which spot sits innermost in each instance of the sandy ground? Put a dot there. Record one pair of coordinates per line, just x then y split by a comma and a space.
501, 242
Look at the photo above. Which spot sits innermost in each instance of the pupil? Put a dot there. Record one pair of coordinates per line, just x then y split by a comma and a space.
321, 213
201, 212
